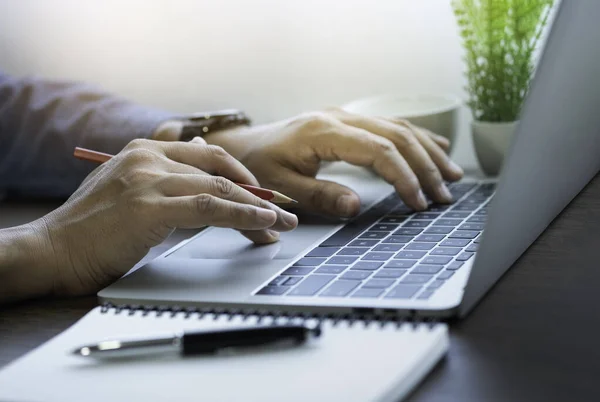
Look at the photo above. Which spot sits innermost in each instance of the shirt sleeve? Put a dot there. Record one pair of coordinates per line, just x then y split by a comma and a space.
41, 122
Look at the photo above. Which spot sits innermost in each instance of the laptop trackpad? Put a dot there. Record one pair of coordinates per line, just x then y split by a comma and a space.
225, 244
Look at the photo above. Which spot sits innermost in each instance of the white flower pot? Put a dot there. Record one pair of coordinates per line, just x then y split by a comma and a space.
491, 141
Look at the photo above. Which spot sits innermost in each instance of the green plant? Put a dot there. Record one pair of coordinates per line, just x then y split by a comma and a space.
500, 37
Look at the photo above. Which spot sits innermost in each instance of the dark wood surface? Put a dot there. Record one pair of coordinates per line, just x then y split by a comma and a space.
534, 337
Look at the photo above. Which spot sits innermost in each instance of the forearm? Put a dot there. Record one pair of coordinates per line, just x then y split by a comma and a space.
26, 269
42, 121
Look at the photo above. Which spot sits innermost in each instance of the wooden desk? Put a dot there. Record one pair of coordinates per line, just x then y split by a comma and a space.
533, 338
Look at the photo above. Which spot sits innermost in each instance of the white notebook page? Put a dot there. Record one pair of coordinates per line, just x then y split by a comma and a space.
345, 364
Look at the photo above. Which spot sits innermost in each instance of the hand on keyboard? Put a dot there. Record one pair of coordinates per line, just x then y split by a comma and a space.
286, 156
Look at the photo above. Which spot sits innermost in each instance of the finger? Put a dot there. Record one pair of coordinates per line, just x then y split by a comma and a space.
265, 236
196, 211
210, 159
176, 185
411, 149
319, 195
450, 170
360, 147
441, 141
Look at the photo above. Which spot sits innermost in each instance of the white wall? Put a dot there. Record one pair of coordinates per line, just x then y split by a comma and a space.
273, 58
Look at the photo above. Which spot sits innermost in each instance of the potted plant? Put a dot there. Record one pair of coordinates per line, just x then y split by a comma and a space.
500, 37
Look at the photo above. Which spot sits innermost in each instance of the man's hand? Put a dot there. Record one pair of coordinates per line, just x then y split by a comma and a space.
286, 156
135, 200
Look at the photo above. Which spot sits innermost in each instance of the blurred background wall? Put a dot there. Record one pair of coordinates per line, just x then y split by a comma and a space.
272, 58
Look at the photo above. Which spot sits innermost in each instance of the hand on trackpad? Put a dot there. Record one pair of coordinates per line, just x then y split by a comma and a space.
219, 244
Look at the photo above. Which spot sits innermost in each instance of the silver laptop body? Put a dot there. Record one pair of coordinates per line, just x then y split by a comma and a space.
555, 153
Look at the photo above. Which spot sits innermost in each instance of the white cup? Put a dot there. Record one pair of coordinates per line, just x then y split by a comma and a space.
435, 112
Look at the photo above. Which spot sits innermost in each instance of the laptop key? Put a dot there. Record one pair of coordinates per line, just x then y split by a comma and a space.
419, 246
427, 269
367, 265
397, 239
431, 238
464, 234
471, 226
404, 264
393, 219
447, 222
439, 230
363, 243
426, 215
454, 243
435, 284
410, 255
273, 290
445, 274
416, 224
408, 231
377, 256
373, 235
340, 288
445, 251
455, 215
379, 283
454, 265
438, 208
472, 248
352, 251
426, 294
388, 247
311, 285
278, 281
464, 256
322, 252
356, 275
477, 219
309, 262
362, 292
436, 260
390, 273
476, 241
384, 227
339, 260
330, 269
416, 278
403, 292
292, 280
298, 271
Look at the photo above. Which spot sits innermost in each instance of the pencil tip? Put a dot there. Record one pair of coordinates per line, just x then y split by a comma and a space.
293, 201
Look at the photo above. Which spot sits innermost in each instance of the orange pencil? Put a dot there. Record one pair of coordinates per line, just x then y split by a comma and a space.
265, 194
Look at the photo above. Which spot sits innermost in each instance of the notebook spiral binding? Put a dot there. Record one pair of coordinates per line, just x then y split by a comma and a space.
201, 313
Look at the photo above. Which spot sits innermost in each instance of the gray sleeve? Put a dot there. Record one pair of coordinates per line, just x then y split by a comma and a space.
41, 122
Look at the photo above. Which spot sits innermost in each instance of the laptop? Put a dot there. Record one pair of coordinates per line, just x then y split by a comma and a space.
389, 260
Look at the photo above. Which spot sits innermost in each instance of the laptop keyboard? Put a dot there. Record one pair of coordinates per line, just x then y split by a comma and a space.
392, 252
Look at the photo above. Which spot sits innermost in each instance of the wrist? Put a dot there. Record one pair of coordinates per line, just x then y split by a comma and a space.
26, 262
169, 130
237, 141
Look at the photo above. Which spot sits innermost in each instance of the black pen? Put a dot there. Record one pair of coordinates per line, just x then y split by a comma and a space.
202, 342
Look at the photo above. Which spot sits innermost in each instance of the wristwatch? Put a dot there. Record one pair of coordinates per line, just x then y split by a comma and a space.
201, 123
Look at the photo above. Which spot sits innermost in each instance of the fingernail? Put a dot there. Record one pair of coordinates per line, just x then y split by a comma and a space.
456, 168
422, 200
290, 219
344, 205
266, 215
444, 193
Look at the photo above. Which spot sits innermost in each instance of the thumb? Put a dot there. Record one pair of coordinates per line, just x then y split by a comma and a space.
320, 195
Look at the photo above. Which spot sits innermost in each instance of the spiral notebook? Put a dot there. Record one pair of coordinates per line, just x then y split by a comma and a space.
351, 361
